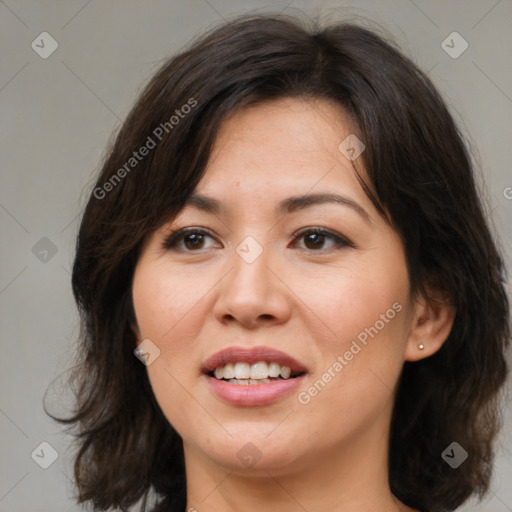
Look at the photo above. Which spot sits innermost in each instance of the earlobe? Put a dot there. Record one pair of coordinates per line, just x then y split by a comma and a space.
432, 325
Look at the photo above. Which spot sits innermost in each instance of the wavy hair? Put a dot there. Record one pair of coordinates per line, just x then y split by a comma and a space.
419, 175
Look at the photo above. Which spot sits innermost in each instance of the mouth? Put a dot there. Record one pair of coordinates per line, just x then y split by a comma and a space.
252, 376
247, 365
262, 372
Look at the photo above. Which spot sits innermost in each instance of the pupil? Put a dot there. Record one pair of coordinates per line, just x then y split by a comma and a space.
315, 238
193, 241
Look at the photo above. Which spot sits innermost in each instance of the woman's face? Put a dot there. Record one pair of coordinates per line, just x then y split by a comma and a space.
286, 263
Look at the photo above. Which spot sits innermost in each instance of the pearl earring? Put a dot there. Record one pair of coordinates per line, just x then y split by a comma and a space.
421, 346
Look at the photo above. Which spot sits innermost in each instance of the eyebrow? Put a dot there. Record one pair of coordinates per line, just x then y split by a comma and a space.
301, 202
288, 205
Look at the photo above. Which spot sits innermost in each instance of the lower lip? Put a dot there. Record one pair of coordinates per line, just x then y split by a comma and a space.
253, 395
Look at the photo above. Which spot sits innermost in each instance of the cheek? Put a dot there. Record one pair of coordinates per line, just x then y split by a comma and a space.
360, 304
164, 299
366, 317
170, 308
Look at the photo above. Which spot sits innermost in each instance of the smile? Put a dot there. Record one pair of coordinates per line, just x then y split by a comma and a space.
252, 376
257, 373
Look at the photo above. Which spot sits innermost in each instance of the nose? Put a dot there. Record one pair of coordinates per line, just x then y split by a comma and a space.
253, 294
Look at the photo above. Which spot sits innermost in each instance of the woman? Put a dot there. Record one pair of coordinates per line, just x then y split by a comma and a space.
287, 234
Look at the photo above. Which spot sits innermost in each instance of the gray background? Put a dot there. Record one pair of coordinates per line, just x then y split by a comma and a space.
57, 116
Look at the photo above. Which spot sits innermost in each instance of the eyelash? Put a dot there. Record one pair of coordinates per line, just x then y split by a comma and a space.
171, 242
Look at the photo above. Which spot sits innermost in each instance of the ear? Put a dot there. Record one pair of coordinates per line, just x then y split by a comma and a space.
432, 324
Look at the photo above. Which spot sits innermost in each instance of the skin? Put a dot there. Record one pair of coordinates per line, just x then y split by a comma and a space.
306, 297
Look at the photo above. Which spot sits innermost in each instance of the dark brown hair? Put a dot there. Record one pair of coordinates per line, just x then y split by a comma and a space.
418, 171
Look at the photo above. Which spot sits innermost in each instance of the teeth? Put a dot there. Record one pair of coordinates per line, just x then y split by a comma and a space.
274, 369
257, 373
259, 370
242, 371
246, 382
285, 372
229, 371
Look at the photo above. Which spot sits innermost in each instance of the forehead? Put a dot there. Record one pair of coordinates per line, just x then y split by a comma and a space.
281, 148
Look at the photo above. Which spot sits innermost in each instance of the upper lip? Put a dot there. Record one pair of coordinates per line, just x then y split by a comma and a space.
251, 355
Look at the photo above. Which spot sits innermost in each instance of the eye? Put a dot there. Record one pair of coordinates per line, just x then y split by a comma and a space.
187, 240
315, 239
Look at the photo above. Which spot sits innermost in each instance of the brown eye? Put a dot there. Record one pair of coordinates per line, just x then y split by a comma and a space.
187, 240
316, 238
193, 241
